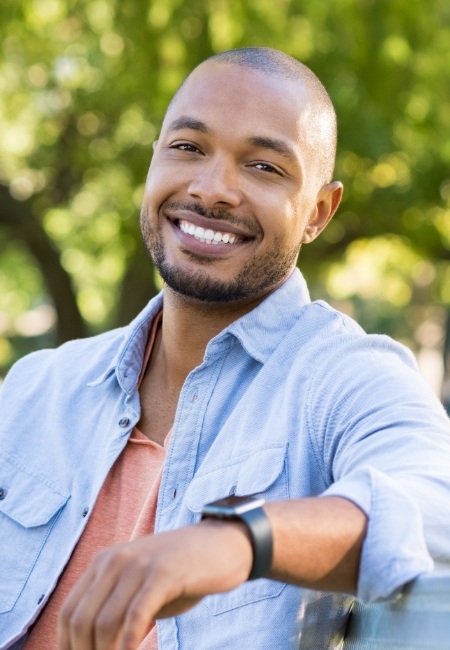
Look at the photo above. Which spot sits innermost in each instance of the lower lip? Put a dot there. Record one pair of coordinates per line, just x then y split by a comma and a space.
196, 246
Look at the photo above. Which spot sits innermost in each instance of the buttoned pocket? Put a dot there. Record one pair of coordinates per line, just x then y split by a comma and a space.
263, 474
29, 508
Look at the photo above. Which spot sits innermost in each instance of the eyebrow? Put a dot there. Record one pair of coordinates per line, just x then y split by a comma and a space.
273, 144
262, 142
188, 123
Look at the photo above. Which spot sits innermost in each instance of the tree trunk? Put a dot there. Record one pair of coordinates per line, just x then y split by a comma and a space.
18, 218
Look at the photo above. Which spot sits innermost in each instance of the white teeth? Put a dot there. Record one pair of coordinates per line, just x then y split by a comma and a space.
208, 236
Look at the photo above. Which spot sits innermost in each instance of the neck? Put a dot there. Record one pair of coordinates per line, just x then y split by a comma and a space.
187, 328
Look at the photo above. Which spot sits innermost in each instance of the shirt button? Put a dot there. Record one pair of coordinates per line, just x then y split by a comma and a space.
124, 422
3, 493
85, 511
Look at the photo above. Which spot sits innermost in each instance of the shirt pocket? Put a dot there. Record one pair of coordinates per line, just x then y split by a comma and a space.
29, 508
263, 474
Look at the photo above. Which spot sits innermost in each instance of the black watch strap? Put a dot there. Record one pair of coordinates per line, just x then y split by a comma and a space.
260, 531
248, 510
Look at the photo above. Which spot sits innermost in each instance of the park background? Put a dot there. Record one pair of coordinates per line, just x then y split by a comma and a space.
83, 88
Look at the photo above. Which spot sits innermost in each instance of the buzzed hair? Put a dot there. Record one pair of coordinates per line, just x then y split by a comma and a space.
321, 114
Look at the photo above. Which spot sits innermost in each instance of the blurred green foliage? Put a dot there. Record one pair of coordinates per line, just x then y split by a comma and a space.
83, 88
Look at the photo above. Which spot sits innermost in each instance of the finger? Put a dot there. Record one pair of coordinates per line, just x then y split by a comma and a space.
78, 613
68, 607
143, 609
110, 618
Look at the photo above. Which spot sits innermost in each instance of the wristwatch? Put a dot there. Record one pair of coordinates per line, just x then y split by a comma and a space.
249, 510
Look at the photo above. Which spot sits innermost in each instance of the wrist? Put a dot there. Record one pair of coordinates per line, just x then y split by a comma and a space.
247, 511
234, 536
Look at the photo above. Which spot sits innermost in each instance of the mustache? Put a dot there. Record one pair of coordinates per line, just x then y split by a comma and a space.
216, 213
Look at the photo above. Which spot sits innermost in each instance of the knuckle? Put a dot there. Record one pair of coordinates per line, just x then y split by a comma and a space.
77, 623
136, 614
104, 623
101, 556
64, 614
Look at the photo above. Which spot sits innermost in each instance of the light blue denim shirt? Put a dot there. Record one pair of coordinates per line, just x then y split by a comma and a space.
291, 400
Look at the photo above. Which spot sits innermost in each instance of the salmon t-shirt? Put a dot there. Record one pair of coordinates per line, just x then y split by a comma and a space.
125, 510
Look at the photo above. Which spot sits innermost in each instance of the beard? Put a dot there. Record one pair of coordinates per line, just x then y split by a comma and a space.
258, 276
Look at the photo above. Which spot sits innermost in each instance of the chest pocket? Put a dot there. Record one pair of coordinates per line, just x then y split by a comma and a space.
263, 474
29, 508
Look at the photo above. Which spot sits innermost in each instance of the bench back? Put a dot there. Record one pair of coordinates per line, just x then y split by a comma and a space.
418, 619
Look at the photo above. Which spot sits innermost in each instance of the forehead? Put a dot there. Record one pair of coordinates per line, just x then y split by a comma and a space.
240, 100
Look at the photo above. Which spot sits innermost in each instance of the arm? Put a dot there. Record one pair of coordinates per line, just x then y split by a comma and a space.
317, 544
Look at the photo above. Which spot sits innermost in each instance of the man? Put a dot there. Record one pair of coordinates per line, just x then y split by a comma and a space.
229, 383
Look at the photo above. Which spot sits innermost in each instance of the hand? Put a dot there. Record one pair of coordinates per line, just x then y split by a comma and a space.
127, 587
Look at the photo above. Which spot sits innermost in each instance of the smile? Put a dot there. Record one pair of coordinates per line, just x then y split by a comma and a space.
209, 236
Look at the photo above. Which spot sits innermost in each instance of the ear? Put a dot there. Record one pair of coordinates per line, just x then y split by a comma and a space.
327, 203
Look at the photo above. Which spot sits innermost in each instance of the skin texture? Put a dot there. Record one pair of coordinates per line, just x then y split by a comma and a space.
232, 157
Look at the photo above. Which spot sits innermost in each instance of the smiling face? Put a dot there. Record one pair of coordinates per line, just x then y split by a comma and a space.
231, 192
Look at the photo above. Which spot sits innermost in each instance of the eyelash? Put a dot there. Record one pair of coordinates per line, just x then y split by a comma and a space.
269, 168
191, 148
185, 146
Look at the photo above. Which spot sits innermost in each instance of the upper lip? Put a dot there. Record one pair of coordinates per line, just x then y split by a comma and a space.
218, 225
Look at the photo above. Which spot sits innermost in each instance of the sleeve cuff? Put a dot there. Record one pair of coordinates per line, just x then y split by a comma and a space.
394, 550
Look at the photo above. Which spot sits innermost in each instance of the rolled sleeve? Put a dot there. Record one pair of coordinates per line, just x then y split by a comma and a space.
382, 441
394, 550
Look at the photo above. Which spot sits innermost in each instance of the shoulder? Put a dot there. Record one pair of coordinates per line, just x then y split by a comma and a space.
333, 338
81, 358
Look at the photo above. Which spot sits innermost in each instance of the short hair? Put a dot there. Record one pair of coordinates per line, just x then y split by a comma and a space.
321, 113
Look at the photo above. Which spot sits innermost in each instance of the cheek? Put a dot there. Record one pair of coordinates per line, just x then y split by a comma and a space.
284, 220
155, 189
160, 184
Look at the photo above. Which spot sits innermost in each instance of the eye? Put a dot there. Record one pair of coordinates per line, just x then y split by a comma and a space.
185, 146
265, 167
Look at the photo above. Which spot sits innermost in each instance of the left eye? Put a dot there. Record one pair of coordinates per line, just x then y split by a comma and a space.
265, 167
184, 146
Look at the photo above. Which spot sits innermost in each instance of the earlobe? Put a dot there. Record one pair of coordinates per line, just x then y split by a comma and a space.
328, 201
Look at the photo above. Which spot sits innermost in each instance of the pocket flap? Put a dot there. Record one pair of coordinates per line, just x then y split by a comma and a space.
27, 498
245, 477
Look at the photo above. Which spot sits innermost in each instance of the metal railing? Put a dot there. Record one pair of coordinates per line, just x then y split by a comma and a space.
417, 619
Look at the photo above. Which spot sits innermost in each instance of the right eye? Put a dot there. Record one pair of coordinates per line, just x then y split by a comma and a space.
185, 146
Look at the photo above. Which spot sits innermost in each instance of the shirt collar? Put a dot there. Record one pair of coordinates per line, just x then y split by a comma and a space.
259, 332
262, 329
127, 362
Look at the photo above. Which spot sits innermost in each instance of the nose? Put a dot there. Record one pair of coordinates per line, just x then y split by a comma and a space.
216, 183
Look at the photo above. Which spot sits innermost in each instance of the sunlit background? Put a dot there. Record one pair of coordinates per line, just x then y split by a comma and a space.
83, 88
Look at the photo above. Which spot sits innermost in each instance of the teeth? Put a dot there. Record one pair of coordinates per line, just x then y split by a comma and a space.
208, 236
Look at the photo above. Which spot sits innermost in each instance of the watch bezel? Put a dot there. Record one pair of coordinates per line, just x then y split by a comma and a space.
232, 506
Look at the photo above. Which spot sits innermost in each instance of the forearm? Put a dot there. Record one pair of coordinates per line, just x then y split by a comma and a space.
317, 542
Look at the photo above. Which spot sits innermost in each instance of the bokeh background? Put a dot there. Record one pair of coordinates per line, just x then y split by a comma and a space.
83, 88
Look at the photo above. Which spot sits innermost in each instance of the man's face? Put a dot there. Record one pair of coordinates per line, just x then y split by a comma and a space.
227, 197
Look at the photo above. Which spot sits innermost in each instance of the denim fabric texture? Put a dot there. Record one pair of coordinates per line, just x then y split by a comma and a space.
293, 399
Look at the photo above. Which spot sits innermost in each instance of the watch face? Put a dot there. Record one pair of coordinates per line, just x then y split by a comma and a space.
232, 506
